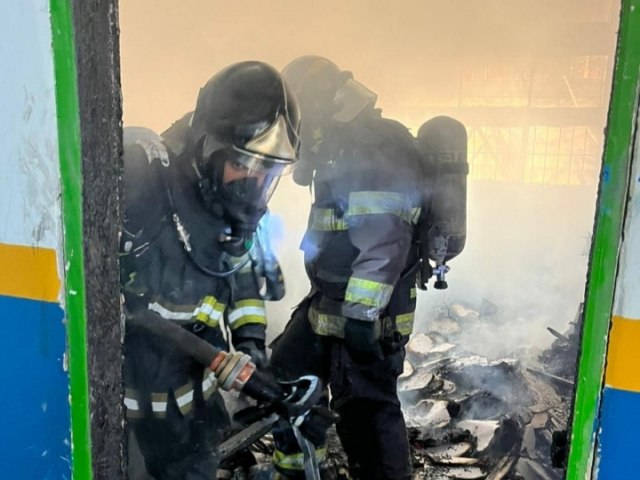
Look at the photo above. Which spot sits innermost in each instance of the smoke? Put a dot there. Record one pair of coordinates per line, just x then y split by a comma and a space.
526, 243
290, 207
526, 255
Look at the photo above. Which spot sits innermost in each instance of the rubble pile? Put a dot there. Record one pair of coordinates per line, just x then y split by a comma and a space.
474, 417
559, 360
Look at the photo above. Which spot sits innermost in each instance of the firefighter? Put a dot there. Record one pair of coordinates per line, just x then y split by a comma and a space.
361, 257
192, 202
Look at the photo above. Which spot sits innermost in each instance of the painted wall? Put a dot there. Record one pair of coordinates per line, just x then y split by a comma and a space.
617, 455
34, 407
34, 404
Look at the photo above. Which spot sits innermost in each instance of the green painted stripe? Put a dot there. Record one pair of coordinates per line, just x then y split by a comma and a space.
71, 174
614, 180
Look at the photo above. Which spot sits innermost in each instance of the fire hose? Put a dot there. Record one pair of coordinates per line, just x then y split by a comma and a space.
234, 371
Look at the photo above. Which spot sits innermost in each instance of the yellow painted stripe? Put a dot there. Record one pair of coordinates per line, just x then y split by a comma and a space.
29, 272
623, 357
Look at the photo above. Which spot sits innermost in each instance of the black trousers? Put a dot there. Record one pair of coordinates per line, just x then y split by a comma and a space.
175, 446
181, 447
371, 426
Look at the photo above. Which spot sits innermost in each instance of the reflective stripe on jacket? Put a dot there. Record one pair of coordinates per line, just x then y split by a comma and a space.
295, 461
183, 397
360, 241
328, 324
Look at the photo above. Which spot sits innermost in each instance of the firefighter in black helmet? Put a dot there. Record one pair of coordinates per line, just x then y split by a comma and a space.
192, 202
360, 256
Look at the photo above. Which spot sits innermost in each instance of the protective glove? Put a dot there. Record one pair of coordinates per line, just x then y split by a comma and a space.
301, 394
296, 402
262, 387
361, 342
255, 349
249, 339
315, 423
301, 406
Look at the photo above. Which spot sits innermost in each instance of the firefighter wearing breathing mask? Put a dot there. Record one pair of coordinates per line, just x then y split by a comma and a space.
192, 202
360, 256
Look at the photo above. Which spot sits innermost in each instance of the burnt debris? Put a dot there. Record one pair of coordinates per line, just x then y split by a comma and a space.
473, 416
476, 416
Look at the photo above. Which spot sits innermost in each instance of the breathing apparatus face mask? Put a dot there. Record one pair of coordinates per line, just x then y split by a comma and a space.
236, 187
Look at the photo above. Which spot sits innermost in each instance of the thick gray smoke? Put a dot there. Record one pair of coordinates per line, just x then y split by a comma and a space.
527, 246
526, 253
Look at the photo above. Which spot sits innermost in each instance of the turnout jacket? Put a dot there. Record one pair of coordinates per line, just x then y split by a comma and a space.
169, 249
359, 246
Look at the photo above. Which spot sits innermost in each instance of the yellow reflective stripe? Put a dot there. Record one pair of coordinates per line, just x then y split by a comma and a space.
375, 203
368, 292
159, 401
326, 324
249, 319
404, 323
413, 293
295, 461
326, 220
333, 325
249, 302
159, 404
246, 312
210, 311
132, 404
132, 409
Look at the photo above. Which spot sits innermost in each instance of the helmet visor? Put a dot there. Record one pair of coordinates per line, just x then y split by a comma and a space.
259, 164
249, 188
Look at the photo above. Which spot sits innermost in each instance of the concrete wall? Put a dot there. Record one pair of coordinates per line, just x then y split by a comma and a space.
34, 404
95, 25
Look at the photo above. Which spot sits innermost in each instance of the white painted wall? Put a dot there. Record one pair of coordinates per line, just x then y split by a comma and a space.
32, 330
29, 167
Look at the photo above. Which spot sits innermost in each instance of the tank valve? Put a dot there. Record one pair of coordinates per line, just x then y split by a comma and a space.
439, 272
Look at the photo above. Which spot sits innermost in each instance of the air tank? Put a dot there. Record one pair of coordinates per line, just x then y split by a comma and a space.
442, 142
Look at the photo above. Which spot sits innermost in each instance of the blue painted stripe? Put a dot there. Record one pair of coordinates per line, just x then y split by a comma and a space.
34, 396
618, 457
